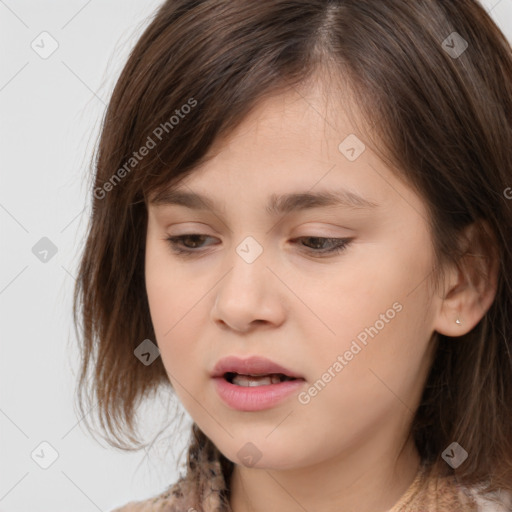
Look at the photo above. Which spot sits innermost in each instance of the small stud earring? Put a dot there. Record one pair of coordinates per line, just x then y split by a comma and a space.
458, 322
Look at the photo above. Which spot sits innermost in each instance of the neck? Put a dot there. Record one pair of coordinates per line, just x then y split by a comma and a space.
367, 479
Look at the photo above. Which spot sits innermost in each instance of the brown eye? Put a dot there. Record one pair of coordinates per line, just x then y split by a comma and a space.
337, 245
181, 244
179, 247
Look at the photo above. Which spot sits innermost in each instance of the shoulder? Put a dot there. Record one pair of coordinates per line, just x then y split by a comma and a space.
153, 504
178, 497
434, 493
494, 502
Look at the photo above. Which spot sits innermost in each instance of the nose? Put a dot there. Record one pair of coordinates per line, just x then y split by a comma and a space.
248, 295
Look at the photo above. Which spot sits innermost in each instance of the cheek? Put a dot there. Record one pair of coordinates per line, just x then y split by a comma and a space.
160, 291
165, 294
177, 313
375, 316
166, 285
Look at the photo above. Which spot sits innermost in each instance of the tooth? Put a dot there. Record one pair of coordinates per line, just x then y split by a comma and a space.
245, 381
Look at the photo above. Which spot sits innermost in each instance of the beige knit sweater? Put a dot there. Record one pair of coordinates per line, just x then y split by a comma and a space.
423, 495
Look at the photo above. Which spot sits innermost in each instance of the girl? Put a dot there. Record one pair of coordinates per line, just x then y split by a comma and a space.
302, 225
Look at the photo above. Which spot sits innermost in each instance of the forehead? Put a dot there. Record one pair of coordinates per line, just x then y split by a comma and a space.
296, 151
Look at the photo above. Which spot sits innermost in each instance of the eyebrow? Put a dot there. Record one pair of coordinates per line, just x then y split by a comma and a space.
278, 204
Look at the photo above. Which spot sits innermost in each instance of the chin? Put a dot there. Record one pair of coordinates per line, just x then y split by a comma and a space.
272, 456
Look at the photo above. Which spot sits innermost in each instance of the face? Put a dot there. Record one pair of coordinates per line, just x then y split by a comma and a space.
354, 323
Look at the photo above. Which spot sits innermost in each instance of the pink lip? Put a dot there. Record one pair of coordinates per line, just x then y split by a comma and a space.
254, 365
253, 398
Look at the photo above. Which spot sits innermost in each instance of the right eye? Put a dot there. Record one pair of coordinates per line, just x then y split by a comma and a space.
175, 241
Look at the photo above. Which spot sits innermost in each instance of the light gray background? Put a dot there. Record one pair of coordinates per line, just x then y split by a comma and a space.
50, 113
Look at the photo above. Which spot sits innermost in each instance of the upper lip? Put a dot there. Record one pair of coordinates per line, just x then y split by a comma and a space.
254, 365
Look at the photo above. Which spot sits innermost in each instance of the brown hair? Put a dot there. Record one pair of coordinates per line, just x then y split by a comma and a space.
443, 121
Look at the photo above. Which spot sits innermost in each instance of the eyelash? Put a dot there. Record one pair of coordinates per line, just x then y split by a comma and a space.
340, 245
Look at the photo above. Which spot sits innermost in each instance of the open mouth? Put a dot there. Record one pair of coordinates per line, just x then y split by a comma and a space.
256, 380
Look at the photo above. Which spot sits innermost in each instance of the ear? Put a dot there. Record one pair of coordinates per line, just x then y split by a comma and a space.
470, 287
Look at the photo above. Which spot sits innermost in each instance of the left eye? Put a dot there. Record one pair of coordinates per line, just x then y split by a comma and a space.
337, 245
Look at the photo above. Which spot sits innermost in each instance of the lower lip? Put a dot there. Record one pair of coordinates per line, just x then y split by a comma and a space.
255, 398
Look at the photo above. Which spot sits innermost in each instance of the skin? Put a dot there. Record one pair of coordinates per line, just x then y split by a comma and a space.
343, 449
